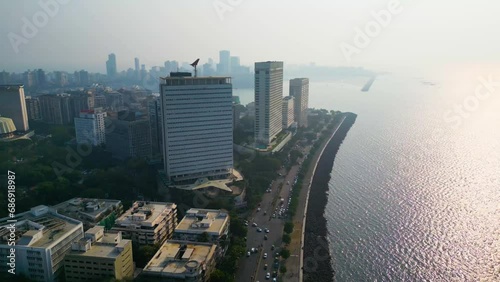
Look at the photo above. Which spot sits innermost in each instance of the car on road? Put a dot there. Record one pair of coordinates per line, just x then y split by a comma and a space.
254, 224
265, 266
258, 209
272, 248
259, 229
248, 254
265, 237
268, 276
267, 230
265, 255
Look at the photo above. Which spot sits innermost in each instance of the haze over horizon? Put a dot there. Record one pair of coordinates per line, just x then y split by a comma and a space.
81, 34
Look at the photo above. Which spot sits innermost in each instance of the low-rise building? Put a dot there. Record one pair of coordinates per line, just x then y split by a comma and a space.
203, 225
42, 238
91, 211
99, 255
182, 261
148, 223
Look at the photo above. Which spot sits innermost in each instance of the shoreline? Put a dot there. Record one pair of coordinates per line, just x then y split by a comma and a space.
299, 262
317, 258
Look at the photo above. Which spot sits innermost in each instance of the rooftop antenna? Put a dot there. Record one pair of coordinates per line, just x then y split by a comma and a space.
194, 64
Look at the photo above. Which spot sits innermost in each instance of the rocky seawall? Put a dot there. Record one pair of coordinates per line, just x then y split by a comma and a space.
317, 263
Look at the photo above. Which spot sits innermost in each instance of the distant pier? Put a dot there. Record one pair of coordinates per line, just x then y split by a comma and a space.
367, 86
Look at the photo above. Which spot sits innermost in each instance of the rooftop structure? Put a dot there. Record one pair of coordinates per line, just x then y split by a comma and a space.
148, 223
198, 221
98, 255
90, 211
42, 238
182, 260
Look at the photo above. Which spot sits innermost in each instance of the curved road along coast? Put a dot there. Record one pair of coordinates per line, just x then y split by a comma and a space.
310, 257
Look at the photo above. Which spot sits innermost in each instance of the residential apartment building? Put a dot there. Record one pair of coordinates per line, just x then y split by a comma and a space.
42, 238
182, 261
33, 108
148, 223
299, 89
90, 127
99, 255
288, 111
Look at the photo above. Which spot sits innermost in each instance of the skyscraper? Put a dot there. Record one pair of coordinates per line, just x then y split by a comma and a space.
299, 89
197, 127
268, 101
288, 111
56, 109
137, 70
111, 65
13, 105
155, 120
129, 137
224, 66
90, 128
33, 108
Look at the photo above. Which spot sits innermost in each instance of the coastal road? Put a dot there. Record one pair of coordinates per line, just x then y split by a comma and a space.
252, 268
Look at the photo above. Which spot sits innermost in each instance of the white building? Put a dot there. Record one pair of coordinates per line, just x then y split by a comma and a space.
42, 239
288, 111
215, 223
268, 101
90, 127
299, 89
197, 127
148, 223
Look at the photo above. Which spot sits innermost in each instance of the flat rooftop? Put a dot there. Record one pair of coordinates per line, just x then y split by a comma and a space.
87, 209
107, 248
145, 213
175, 257
40, 227
197, 221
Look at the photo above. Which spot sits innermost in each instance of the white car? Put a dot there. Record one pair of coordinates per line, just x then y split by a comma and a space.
265, 255
268, 275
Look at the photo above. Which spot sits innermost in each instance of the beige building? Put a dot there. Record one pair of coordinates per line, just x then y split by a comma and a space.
288, 111
42, 238
215, 223
182, 261
148, 223
299, 89
99, 255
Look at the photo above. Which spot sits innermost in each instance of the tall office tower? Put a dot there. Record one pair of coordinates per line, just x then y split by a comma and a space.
4, 78
137, 69
33, 108
234, 64
41, 78
268, 101
197, 127
56, 109
13, 105
299, 89
288, 111
207, 70
84, 78
29, 79
111, 66
61, 79
224, 66
90, 127
128, 137
42, 239
155, 121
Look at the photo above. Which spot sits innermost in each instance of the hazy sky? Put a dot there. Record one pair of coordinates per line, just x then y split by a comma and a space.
81, 34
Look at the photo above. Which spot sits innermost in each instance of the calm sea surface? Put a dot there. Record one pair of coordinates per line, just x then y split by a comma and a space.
414, 196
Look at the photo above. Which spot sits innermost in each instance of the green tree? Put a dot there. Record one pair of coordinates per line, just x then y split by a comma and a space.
220, 276
288, 227
283, 269
286, 238
285, 253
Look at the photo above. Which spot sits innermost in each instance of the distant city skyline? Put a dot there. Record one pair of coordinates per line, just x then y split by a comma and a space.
62, 42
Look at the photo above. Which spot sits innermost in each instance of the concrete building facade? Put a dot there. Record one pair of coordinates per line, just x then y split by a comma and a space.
197, 127
13, 105
90, 127
148, 223
288, 111
299, 89
268, 101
